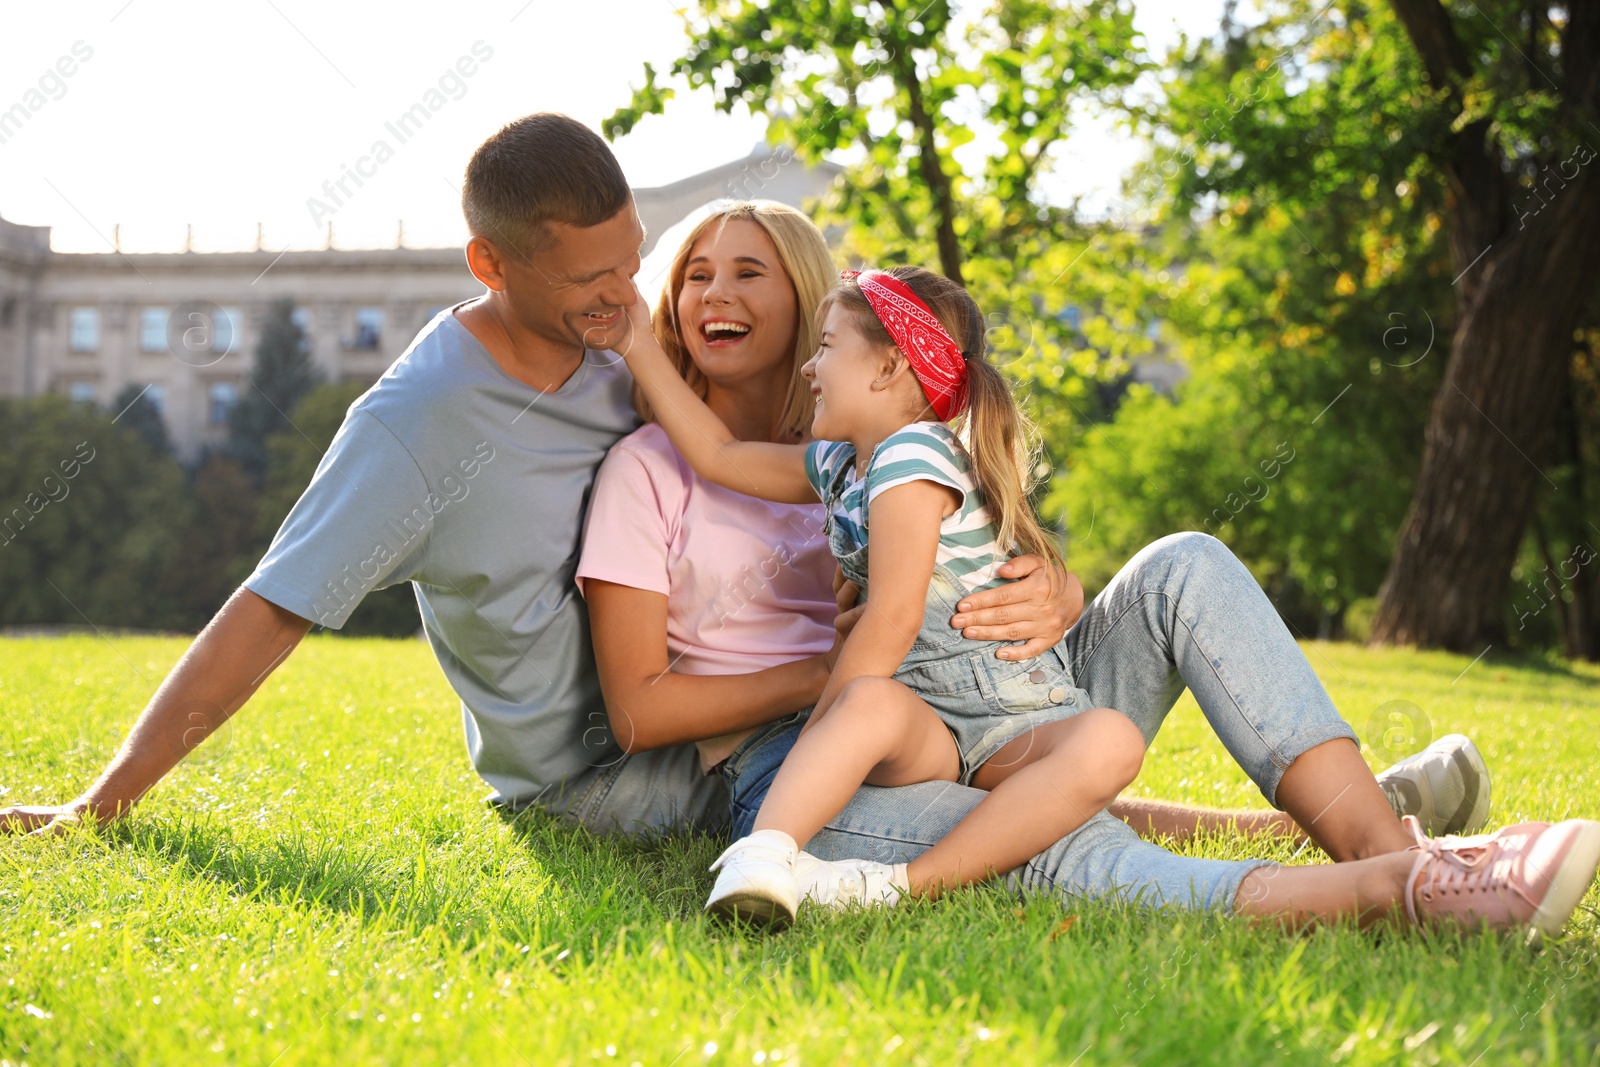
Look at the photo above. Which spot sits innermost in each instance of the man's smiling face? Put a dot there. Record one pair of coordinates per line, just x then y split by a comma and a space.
575, 287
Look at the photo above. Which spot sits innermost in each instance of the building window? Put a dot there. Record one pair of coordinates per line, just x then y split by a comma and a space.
83, 393
152, 329
225, 331
301, 317
369, 328
83, 332
220, 400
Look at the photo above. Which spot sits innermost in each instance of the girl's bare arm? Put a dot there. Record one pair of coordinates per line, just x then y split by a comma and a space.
900, 556
756, 468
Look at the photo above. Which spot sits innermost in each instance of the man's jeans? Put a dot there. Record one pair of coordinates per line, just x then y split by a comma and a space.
1183, 612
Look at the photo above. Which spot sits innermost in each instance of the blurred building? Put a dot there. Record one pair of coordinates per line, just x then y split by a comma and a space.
183, 325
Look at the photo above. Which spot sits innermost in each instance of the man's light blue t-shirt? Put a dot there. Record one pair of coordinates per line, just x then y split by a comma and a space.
455, 476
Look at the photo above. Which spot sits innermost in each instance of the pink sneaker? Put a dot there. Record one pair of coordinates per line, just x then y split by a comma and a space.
1532, 874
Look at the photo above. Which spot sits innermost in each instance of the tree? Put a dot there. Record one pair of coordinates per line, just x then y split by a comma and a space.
956, 127
93, 519
220, 546
908, 91
1294, 253
1405, 109
1513, 147
1556, 581
1287, 440
281, 375
134, 409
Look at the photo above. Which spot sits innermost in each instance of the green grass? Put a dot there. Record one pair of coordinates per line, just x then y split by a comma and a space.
323, 883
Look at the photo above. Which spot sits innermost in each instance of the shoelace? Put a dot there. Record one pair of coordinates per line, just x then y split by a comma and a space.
1442, 868
755, 849
851, 888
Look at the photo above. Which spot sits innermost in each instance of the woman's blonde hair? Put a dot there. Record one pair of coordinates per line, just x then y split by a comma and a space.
997, 434
805, 257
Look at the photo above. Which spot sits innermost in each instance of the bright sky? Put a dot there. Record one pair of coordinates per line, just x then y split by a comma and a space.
225, 115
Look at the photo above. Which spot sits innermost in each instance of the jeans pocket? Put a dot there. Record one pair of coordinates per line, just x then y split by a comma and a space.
1028, 685
943, 677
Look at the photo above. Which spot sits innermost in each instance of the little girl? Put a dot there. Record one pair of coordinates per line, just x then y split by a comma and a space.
911, 699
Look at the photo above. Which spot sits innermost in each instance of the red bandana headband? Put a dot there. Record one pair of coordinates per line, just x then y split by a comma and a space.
935, 358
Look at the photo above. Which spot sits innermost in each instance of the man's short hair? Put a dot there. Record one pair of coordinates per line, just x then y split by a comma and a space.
541, 168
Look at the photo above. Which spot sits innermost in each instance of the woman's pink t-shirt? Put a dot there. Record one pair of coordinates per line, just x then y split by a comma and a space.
748, 582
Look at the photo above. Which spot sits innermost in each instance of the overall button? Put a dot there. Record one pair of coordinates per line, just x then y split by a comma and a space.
1038, 676
1057, 695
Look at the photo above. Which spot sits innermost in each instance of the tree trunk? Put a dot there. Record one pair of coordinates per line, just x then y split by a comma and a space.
1581, 638
1523, 271
1489, 430
933, 175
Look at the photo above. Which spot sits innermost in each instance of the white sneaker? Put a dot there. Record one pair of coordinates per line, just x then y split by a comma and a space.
757, 883
1445, 786
841, 884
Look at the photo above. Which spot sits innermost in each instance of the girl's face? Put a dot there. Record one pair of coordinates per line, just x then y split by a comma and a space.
847, 377
737, 309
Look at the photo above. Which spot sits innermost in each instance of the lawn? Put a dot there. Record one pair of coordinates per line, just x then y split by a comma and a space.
323, 882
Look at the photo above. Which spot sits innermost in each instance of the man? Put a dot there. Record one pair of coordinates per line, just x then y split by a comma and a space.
466, 471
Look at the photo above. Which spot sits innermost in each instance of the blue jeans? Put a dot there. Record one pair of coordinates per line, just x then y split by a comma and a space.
1183, 612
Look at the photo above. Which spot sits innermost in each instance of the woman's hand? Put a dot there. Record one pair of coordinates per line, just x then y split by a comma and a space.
845, 595
1022, 610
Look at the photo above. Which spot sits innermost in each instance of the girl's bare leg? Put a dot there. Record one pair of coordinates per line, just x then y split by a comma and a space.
877, 732
1042, 786
1367, 890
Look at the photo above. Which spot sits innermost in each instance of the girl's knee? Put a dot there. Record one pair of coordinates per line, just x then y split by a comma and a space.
1117, 743
872, 703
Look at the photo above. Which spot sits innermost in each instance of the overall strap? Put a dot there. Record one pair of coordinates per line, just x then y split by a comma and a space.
836, 489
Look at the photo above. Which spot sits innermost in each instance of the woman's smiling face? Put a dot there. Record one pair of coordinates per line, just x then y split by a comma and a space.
737, 309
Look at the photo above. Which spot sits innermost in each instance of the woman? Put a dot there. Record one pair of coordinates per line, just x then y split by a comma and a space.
706, 630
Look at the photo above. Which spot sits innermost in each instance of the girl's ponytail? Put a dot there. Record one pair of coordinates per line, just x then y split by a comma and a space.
1004, 447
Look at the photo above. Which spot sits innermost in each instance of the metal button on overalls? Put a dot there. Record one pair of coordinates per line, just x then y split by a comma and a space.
1057, 695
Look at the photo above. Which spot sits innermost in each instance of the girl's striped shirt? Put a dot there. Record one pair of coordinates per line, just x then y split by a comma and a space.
923, 451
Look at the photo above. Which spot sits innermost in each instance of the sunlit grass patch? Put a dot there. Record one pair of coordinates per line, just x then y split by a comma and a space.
327, 885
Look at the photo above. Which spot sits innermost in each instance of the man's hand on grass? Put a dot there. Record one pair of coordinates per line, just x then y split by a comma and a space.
1023, 609
40, 820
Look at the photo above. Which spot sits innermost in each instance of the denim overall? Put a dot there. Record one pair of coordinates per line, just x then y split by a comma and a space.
985, 701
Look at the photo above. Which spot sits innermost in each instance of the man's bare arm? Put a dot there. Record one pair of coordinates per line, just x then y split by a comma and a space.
232, 656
